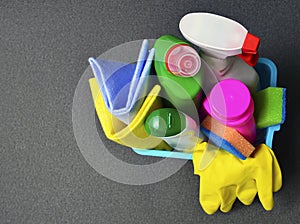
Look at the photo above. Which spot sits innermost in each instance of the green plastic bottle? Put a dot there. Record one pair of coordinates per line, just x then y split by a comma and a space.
172, 53
165, 122
176, 128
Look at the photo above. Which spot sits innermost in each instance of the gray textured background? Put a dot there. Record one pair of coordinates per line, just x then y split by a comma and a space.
44, 47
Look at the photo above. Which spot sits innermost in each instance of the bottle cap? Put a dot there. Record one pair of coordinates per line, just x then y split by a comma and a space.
230, 99
165, 122
250, 49
183, 60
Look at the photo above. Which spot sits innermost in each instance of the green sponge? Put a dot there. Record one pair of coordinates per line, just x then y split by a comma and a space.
269, 106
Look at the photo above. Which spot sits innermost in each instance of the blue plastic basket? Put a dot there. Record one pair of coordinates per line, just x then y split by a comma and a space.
267, 72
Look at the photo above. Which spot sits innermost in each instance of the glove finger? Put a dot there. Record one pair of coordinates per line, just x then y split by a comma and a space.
277, 176
247, 192
197, 157
265, 193
264, 177
227, 197
209, 199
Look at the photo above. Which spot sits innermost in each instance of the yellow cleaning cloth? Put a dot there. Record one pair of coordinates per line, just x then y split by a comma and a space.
228, 178
133, 134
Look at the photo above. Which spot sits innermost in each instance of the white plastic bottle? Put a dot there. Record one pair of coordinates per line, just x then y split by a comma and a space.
229, 68
226, 46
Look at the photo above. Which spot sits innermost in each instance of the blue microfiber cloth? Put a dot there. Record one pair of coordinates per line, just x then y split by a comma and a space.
123, 85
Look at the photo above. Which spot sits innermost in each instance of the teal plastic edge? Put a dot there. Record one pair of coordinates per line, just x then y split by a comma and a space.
272, 70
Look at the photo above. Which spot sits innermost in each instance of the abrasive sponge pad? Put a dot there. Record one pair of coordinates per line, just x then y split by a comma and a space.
269, 106
226, 138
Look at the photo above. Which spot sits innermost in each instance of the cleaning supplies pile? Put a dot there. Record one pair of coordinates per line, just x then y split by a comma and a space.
233, 107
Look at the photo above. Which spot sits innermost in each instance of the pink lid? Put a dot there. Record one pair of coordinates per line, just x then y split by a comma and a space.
183, 60
230, 99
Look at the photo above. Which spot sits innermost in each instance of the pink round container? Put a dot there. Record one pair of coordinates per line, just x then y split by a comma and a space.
230, 103
183, 60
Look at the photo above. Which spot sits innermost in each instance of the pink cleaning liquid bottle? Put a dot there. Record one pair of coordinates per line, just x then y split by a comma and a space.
230, 103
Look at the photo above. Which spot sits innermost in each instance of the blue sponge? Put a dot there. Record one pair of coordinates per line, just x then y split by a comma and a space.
226, 138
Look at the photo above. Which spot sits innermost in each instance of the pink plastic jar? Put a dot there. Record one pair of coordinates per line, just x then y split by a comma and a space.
230, 103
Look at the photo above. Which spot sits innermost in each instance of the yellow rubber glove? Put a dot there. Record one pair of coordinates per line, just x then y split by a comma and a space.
228, 178
132, 135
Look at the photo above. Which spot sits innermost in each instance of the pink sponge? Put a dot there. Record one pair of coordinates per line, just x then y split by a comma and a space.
226, 138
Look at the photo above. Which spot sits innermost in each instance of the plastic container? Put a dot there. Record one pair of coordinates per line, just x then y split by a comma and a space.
177, 129
230, 103
203, 29
267, 72
231, 67
179, 86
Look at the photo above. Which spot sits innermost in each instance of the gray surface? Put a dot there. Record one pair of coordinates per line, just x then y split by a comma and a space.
44, 47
